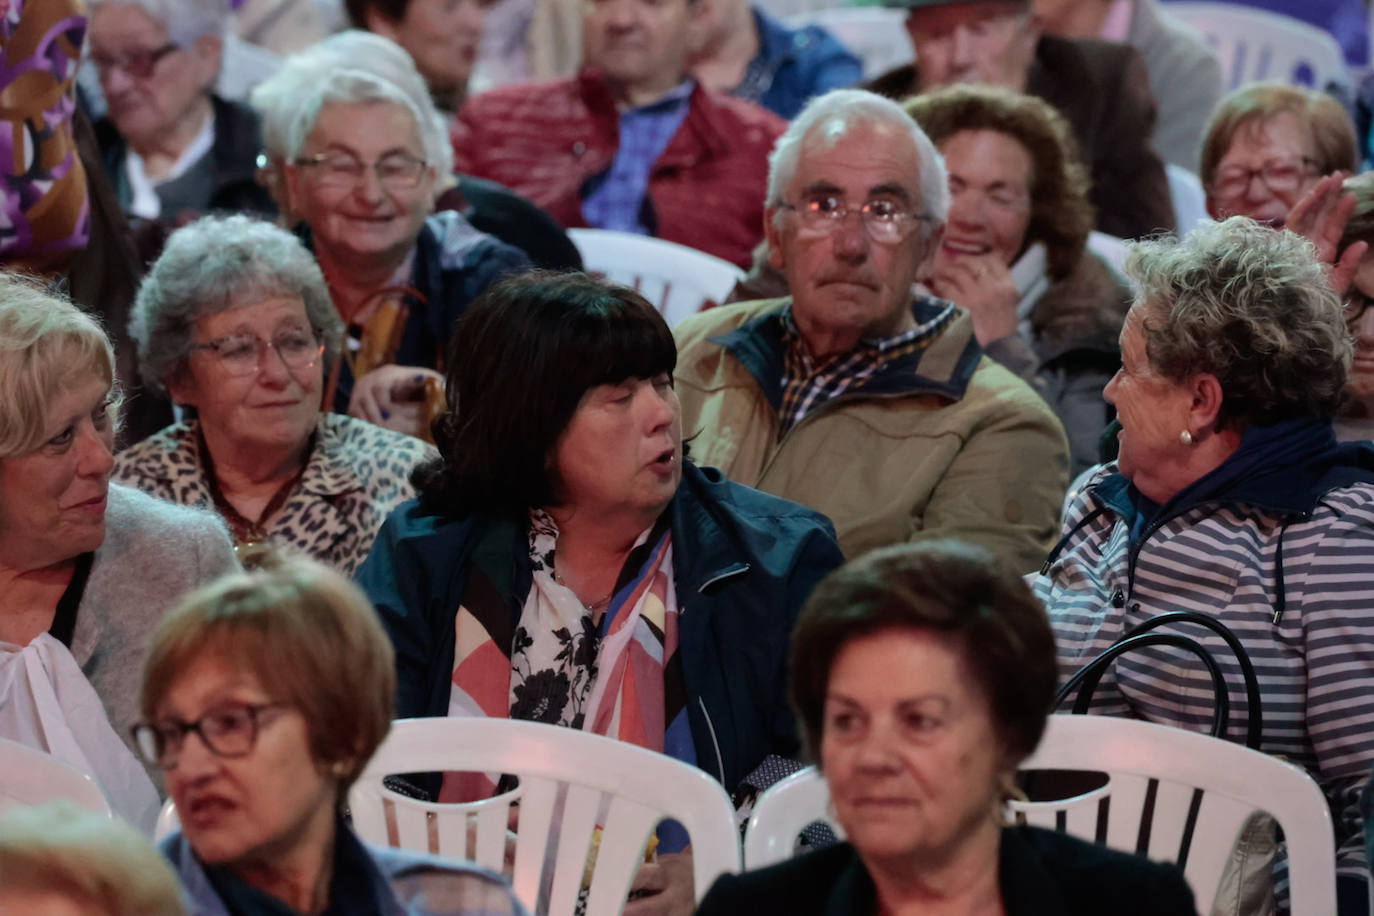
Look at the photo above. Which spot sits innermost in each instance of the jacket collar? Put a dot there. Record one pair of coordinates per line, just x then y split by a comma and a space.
708, 549
1288, 468
1028, 888
943, 368
702, 134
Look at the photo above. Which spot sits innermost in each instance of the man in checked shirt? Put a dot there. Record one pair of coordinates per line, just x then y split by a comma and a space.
856, 396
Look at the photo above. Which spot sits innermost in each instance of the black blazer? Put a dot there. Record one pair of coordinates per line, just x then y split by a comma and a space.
1042, 873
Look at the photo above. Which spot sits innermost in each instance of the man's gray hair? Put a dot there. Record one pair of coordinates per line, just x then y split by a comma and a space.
280, 99
1252, 306
217, 263
836, 113
184, 20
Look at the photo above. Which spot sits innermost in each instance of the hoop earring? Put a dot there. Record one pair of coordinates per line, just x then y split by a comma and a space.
1185, 438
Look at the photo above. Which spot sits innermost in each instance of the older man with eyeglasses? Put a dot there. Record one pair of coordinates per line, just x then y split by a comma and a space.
855, 396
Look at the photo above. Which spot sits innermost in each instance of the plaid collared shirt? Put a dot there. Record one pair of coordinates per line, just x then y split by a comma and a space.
807, 383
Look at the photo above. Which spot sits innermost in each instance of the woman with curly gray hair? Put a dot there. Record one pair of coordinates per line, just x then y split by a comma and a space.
234, 320
1232, 496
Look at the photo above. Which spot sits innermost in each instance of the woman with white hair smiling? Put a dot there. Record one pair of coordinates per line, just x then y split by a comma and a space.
488, 206
362, 173
168, 143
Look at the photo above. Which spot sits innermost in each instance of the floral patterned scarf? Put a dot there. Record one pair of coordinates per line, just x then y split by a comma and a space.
619, 677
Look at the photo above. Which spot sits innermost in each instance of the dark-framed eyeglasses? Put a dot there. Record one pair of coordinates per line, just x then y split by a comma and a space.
1282, 176
398, 171
228, 730
886, 220
138, 64
241, 354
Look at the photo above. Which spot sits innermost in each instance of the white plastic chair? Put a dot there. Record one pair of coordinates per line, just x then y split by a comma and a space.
625, 789
1188, 196
1235, 782
29, 776
1255, 44
876, 34
678, 280
1110, 249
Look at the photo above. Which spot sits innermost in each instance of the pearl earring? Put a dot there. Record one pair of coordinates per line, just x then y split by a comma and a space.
1185, 438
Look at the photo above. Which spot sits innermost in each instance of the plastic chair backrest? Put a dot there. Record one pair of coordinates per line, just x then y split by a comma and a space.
245, 65
678, 280
624, 789
1188, 196
782, 812
876, 34
29, 776
1143, 761
1255, 44
1151, 764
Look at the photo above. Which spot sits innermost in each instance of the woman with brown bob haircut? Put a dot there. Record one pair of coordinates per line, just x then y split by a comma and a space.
923, 676
285, 678
1014, 251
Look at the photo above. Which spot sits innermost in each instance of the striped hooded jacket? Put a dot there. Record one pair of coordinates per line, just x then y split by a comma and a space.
1283, 555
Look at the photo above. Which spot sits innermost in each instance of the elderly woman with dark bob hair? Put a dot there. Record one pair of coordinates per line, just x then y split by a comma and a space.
923, 676
564, 563
86, 568
1014, 251
1232, 496
234, 320
285, 680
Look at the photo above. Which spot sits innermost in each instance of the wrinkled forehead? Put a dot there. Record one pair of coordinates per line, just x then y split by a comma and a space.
1282, 134
859, 159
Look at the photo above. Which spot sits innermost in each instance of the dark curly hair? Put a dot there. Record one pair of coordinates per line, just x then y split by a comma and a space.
1251, 306
949, 587
519, 361
1061, 214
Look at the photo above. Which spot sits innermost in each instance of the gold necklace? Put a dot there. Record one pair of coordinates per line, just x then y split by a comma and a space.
590, 608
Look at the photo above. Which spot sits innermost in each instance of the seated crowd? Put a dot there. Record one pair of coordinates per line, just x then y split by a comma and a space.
311, 420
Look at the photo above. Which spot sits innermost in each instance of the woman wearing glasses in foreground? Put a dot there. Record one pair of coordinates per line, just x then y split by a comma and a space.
264, 695
923, 676
234, 320
362, 177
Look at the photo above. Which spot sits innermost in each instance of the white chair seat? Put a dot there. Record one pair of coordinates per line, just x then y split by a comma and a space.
29, 776
624, 789
678, 280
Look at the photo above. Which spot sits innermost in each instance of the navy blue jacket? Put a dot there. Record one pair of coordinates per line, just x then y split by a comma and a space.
744, 563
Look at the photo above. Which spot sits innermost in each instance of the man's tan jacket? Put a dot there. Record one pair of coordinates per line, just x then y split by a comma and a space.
955, 447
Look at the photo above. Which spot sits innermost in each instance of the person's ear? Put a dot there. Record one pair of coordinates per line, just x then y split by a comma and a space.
1213, 210
181, 385
932, 243
375, 21
208, 54
772, 237
1207, 395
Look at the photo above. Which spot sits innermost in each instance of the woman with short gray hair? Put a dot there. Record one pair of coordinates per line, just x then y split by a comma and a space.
168, 143
361, 176
1231, 496
234, 320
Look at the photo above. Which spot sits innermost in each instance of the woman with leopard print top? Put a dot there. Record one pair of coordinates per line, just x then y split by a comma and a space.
235, 321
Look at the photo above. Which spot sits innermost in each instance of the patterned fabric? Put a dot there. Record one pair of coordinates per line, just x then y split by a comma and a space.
1296, 588
620, 676
44, 212
808, 383
618, 201
357, 473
